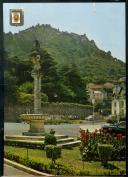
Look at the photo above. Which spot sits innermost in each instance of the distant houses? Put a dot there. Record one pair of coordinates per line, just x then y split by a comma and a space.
114, 93
99, 92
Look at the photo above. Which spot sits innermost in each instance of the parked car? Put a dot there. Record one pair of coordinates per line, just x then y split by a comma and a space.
89, 117
117, 128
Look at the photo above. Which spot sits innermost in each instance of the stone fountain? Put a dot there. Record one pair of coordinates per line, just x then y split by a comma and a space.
35, 120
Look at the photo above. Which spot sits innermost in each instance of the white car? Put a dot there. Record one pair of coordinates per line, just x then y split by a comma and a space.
89, 117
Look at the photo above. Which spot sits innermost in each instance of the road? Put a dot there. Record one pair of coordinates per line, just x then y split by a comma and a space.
72, 130
11, 171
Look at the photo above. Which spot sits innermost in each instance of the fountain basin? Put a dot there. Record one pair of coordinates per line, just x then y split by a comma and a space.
36, 122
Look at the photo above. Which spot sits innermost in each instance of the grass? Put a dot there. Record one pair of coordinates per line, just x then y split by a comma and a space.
72, 159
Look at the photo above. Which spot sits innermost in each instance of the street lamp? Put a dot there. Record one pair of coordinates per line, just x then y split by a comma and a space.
93, 102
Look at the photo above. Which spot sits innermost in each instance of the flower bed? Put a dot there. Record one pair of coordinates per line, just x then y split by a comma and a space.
90, 140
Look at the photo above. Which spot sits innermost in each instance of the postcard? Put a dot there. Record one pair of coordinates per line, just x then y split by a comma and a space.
65, 89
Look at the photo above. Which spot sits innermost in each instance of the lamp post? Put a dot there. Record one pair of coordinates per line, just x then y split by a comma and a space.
93, 102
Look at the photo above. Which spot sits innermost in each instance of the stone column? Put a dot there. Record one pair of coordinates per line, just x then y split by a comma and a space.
36, 120
36, 74
37, 93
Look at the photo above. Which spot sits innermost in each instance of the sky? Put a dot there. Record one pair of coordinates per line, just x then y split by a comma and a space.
102, 22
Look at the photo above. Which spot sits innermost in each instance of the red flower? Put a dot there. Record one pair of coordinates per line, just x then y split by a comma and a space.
94, 134
104, 130
101, 131
84, 135
119, 136
110, 129
109, 138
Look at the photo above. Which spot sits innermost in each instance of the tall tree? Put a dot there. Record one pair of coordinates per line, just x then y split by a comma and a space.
74, 82
50, 77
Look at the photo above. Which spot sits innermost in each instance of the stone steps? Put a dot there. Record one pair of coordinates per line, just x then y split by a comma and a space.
65, 140
34, 138
61, 136
62, 140
59, 141
70, 144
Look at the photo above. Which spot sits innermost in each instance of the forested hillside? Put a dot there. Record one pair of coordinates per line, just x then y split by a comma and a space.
70, 62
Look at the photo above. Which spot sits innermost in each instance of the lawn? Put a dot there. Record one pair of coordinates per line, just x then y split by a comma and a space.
72, 160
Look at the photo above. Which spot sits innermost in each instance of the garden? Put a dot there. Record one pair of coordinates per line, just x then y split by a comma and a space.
98, 154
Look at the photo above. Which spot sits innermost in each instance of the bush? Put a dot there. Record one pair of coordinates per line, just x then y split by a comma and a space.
50, 139
41, 166
30, 145
52, 132
60, 169
119, 152
122, 118
104, 152
53, 152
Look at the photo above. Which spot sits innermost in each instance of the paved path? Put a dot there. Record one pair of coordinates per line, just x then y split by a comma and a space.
11, 171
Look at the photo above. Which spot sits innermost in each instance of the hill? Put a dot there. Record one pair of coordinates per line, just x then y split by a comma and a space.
69, 62
93, 64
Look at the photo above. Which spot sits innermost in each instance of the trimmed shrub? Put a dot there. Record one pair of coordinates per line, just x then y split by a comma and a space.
118, 152
111, 121
53, 152
52, 132
50, 139
104, 152
30, 145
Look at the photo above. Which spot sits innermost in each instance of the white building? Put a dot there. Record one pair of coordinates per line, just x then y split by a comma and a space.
119, 99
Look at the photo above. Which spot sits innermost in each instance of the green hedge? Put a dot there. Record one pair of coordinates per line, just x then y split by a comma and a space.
50, 139
53, 152
66, 104
105, 152
31, 145
58, 169
67, 109
44, 167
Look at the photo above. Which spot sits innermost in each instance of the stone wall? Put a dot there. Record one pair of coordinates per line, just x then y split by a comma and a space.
12, 112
